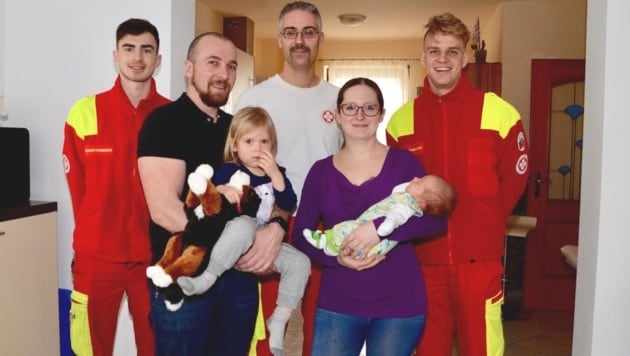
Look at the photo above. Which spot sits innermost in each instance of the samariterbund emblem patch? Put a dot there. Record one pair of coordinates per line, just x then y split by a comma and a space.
328, 116
521, 164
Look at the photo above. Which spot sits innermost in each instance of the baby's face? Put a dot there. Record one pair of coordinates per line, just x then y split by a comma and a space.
432, 194
417, 187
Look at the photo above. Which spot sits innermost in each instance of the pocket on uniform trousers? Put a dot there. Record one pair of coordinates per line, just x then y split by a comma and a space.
80, 340
495, 341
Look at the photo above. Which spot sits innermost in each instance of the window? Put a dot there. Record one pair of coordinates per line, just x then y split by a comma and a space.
392, 76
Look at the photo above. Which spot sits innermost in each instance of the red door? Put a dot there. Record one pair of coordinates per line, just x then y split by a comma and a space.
556, 123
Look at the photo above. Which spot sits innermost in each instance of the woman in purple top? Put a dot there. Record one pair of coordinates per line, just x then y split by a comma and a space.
378, 300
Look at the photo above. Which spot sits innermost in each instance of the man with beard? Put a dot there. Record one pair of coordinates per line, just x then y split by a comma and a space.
173, 141
303, 107
111, 241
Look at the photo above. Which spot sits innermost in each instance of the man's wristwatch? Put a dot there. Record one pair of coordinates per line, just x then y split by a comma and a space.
283, 224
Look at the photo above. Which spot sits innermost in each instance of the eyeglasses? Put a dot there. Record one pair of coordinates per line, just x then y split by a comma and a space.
353, 109
291, 33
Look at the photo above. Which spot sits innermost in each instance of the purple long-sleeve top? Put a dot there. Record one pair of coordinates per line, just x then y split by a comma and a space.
395, 286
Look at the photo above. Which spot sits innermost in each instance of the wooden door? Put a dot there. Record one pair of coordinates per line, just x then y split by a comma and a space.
557, 118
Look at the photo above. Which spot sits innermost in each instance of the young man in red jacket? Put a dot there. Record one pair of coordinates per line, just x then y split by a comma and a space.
111, 237
476, 142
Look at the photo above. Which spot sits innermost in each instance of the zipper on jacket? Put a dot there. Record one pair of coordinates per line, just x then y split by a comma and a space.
446, 146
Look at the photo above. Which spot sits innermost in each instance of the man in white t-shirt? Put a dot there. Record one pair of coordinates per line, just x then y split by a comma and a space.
303, 107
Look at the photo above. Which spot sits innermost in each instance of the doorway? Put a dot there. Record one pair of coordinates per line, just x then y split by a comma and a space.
557, 121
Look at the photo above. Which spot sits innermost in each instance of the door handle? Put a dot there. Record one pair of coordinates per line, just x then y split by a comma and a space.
538, 180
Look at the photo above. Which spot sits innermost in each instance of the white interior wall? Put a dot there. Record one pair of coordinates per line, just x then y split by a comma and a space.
3, 16
53, 53
603, 291
491, 32
244, 79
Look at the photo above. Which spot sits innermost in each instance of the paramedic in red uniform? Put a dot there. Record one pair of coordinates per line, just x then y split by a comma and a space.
476, 142
111, 235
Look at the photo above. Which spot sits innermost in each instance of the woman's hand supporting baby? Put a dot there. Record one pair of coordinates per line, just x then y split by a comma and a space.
355, 247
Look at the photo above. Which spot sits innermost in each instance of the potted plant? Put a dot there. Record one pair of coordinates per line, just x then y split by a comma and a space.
478, 45
479, 52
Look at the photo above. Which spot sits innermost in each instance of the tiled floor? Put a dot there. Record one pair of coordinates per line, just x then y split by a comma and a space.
293, 338
539, 334
542, 333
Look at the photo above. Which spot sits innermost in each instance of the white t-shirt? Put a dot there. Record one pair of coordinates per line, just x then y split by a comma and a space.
304, 120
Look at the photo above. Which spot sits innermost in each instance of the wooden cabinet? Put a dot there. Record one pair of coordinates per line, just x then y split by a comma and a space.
485, 76
28, 299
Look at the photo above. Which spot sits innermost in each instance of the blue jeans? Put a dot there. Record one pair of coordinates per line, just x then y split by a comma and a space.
218, 322
343, 334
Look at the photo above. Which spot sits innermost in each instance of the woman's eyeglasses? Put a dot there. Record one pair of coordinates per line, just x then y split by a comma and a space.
353, 109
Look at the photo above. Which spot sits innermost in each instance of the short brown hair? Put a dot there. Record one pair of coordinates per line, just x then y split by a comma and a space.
193, 44
136, 27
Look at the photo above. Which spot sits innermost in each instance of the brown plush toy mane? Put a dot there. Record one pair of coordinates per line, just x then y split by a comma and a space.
208, 212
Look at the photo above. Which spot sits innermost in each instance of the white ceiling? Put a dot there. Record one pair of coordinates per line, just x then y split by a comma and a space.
385, 18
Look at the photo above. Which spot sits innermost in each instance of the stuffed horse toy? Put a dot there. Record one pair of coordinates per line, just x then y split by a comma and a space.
186, 252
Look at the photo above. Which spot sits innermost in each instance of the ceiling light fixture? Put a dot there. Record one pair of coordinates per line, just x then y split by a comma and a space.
352, 20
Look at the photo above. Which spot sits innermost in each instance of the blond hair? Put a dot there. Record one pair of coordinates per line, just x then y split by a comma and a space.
245, 121
447, 24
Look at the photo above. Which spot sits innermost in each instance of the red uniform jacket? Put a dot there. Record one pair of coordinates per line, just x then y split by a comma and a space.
476, 142
100, 160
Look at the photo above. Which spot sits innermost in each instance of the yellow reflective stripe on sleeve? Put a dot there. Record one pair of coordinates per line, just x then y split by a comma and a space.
82, 117
401, 122
498, 115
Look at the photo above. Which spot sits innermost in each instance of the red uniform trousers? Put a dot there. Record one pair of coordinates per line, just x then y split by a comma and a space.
269, 294
104, 284
463, 301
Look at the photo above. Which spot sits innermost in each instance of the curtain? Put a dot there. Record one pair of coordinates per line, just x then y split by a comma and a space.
392, 76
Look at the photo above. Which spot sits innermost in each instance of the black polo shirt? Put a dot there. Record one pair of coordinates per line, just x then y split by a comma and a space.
180, 130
